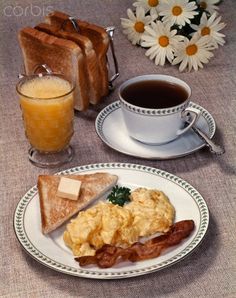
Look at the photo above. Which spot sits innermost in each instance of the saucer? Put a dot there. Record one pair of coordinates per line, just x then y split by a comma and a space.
111, 129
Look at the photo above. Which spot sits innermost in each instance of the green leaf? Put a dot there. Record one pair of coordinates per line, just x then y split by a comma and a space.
119, 195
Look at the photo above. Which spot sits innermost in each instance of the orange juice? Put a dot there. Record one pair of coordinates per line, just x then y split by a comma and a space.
47, 112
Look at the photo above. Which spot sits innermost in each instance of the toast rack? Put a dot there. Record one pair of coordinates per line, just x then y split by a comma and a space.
110, 31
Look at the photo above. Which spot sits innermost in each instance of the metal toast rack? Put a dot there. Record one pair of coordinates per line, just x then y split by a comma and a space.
110, 31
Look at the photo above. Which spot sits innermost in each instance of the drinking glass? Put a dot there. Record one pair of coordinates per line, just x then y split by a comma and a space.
47, 105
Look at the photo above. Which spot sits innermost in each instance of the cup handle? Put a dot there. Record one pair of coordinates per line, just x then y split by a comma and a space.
185, 114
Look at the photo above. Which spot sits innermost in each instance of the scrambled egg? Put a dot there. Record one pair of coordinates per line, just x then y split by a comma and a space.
152, 211
149, 212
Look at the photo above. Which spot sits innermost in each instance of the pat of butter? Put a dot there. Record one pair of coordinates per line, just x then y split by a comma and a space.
69, 188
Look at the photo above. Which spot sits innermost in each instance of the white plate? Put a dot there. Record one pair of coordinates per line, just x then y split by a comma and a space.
111, 129
51, 251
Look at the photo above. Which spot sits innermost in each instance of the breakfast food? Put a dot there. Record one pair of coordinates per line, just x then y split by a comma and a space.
152, 211
61, 55
56, 210
80, 56
96, 34
91, 60
101, 224
149, 212
69, 188
47, 120
114, 231
109, 255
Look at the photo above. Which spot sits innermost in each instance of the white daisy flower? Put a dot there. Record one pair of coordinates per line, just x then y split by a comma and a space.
152, 6
209, 5
193, 53
134, 26
178, 11
211, 27
161, 41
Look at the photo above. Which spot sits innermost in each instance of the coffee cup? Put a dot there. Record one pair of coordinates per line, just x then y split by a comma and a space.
155, 108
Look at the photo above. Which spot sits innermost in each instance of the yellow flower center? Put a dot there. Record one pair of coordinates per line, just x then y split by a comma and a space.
177, 10
205, 31
139, 27
203, 4
153, 3
163, 41
191, 49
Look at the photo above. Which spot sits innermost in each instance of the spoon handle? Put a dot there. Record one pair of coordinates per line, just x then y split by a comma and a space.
216, 149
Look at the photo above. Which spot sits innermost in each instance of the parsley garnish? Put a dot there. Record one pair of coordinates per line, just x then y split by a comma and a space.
119, 195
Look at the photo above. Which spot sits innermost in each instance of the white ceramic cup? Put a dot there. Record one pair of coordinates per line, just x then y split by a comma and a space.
157, 126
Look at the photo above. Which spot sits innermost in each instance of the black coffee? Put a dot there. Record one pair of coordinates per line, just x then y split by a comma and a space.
154, 94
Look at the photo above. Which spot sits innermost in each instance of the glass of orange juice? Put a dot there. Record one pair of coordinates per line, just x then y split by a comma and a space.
47, 105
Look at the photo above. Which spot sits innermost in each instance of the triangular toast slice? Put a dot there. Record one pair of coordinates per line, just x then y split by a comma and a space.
56, 210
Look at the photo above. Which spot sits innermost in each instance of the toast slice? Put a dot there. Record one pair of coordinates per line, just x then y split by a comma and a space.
90, 56
61, 55
56, 210
96, 34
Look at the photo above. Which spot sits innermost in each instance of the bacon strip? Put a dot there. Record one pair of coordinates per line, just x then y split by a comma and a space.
108, 255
